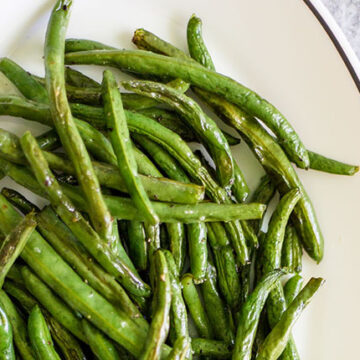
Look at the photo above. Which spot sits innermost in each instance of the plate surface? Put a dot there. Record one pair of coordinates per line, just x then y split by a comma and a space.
279, 49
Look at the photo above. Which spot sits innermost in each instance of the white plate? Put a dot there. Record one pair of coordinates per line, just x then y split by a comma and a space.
279, 49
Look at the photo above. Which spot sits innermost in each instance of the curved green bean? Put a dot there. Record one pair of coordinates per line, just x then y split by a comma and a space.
120, 139
101, 346
250, 314
276, 341
196, 45
205, 128
154, 64
196, 309
40, 336
14, 243
292, 288
6, 337
162, 301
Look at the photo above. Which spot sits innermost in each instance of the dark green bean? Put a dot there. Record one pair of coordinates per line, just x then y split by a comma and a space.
64, 123
263, 194
77, 78
49, 140
212, 348
76, 222
215, 307
40, 336
61, 278
276, 341
196, 309
196, 45
18, 325
292, 288
120, 139
6, 337
250, 314
18, 200
173, 122
205, 128
229, 283
162, 301
14, 243
291, 253
137, 244
100, 345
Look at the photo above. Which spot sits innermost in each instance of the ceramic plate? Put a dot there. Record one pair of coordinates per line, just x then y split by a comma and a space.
280, 49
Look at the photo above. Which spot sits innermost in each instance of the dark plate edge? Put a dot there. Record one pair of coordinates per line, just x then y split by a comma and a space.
335, 41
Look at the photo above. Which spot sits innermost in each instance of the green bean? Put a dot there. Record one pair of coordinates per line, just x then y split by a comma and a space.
123, 208
250, 314
205, 128
14, 243
162, 300
180, 349
229, 283
292, 288
64, 123
291, 253
108, 175
61, 278
196, 45
239, 188
178, 315
276, 341
137, 244
173, 122
18, 325
101, 346
215, 307
56, 307
159, 65
120, 139
271, 259
276, 163
322, 163
197, 240
72, 45
263, 194
196, 309
49, 140
212, 348
40, 336
69, 248
70, 348
6, 337
14, 274
28, 87
75, 221
77, 78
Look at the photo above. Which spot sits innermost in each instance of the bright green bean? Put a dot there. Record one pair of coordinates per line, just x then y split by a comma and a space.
6, 337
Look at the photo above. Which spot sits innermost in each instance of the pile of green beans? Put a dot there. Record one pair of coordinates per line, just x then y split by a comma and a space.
148, 249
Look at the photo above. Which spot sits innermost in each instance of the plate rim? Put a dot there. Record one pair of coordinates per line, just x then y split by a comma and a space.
337, 37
